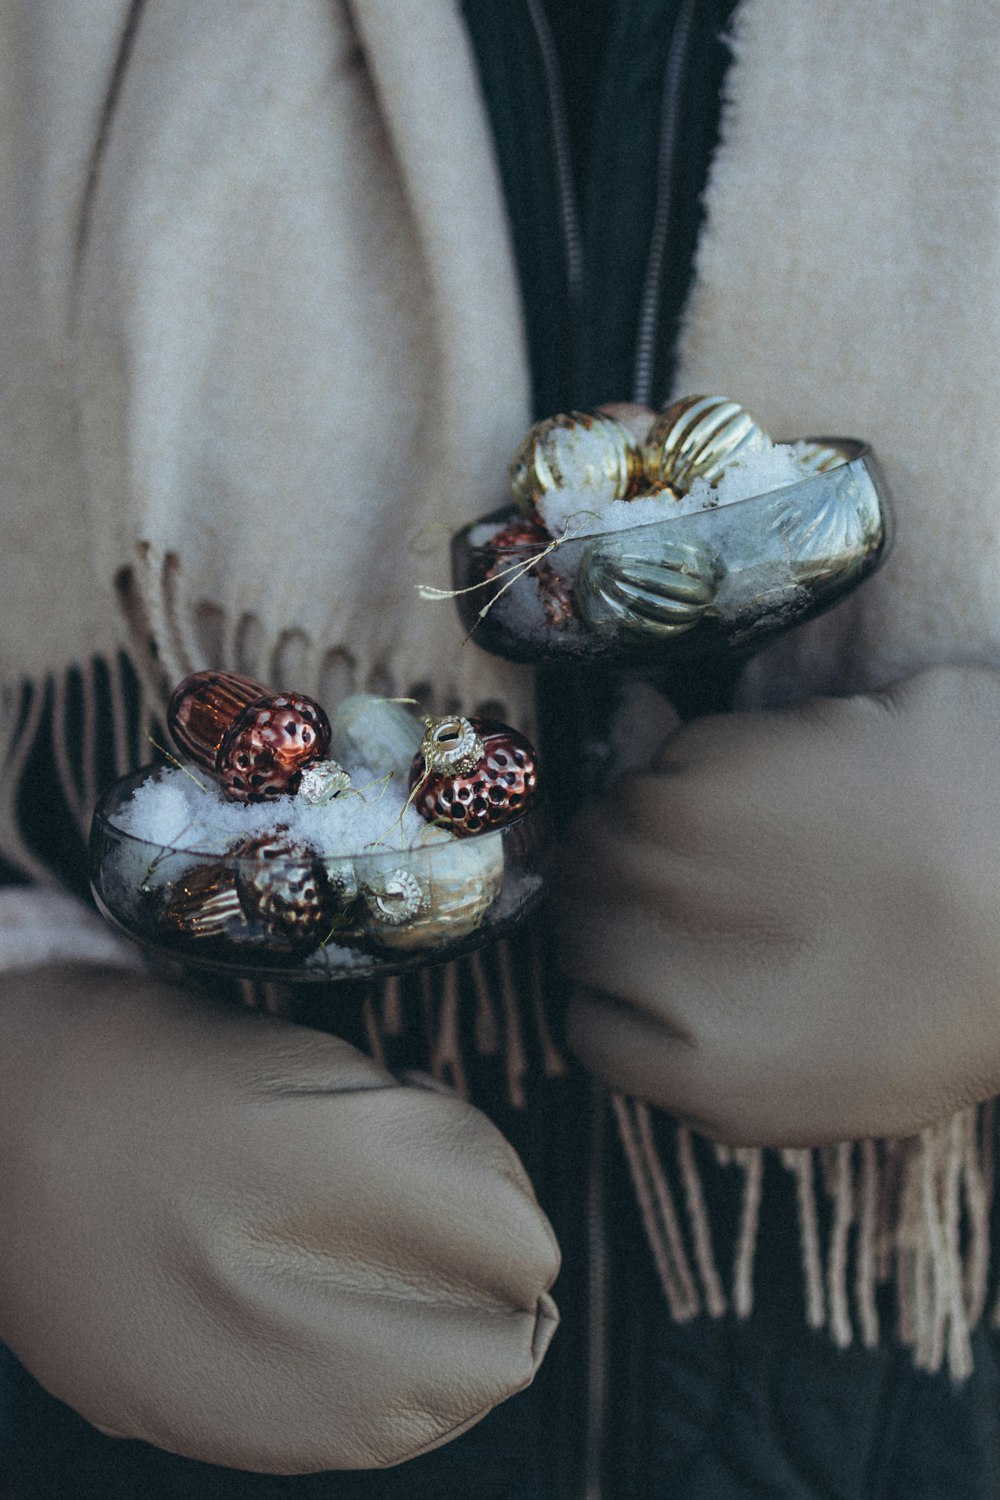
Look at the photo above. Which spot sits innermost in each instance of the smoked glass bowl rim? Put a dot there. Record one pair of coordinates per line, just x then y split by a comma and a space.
851, 451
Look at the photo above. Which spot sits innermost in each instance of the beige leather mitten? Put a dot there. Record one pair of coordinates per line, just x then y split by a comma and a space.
789, 931
245, 1242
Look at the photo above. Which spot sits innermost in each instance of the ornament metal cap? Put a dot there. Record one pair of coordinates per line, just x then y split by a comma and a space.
451, 744
322, 781
396, 898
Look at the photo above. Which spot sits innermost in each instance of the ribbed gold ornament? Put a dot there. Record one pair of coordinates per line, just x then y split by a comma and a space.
592, 455
697, 437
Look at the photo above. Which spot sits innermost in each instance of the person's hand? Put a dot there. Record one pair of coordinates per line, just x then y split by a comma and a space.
789, 932
245, 1242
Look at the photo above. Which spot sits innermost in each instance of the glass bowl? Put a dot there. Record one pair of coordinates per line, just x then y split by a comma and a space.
719, 582
313, 918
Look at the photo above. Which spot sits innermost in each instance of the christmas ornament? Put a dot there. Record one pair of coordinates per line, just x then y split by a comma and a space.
697, 437
515, 544
204, 905
284, 889
271, 743
257, 743
204, 707
646, 585
366, 730
471, 796
443, 898
588, 452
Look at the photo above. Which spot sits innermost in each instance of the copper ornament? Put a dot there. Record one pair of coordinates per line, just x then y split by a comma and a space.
203, 709
500, 786
204, 905
284, 890
256, 742
268, 747
515, 544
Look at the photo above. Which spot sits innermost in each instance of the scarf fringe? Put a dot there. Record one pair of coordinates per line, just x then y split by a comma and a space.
915, 1211
191, 634
88, 725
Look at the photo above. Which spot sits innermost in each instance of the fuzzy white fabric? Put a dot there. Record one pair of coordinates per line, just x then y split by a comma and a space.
46, 927
264, 347
848, 281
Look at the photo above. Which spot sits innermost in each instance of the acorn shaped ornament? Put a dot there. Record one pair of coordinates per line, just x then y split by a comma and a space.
203, 905
255, 742
204, 707
472, 775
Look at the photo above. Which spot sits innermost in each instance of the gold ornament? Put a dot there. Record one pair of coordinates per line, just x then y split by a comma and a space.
441, 898
697, 437
591, 454
646, 585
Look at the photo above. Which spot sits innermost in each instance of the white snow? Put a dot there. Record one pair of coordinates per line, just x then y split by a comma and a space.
181, 810
763, 466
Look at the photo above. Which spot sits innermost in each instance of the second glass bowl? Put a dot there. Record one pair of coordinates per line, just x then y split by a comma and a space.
721, 581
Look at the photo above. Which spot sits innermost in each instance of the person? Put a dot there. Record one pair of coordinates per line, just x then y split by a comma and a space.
285, 285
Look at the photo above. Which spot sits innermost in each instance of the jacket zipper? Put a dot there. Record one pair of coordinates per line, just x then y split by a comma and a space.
597, 1289
648, 327
649, 309
572, 233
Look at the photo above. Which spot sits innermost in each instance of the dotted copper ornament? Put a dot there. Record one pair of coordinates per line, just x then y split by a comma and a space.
256, 742
501, 786
203, 709
269, 745
284, 890
515, 544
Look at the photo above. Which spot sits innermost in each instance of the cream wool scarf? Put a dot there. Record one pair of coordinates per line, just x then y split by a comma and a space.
260, 339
